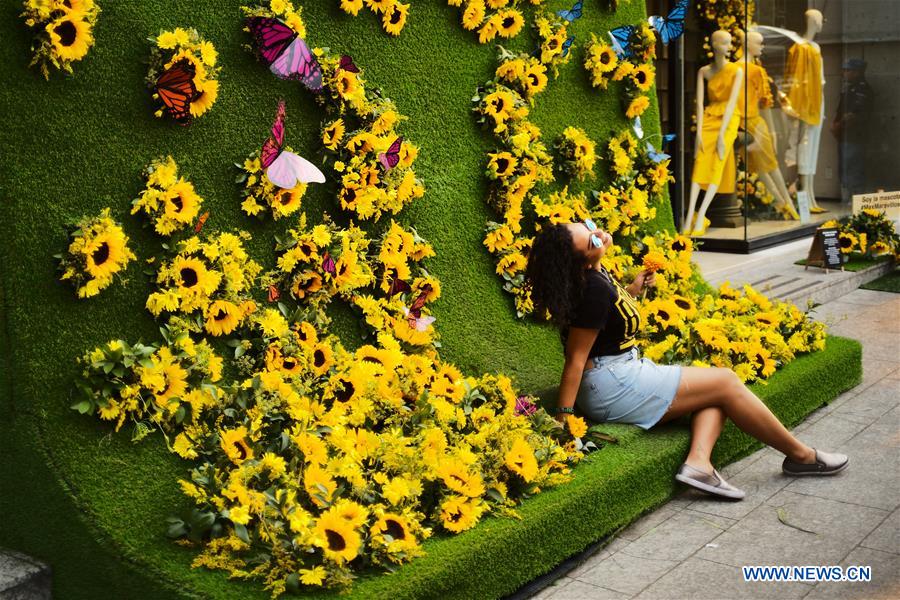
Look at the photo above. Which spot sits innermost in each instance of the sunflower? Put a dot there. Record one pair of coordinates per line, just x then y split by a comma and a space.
847, 242
394, 18
106, 253
473, 15
322, 358
520, 459
174, 385
346, 83
181, 202
499, 104
351, 7
687, 306
459, 513
333, 134
70, 37
395, 532
222, 317
207, 92
642, 77
501, 165
535, 79
191, 275
510, 22
457, 478
637, 107
338, 539
287, 202
234, 444
305, 284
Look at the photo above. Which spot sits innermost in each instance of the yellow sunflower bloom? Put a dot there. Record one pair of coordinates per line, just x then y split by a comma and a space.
70, 37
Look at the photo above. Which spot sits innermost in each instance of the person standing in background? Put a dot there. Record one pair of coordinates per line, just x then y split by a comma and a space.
849, 127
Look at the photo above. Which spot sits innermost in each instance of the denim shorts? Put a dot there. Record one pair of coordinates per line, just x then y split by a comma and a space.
624, 388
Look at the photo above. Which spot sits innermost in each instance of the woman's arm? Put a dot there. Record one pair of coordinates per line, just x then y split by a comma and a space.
578, 346
644, 279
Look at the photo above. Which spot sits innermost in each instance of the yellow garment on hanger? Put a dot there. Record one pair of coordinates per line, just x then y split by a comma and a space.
803, 78
757, 94
709, 169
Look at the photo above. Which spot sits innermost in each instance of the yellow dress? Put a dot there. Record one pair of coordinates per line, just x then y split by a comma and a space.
761, 154
709, 169
803, 78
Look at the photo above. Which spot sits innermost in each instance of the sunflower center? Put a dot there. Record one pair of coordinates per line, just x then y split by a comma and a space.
66, 32
318, 358
395, 17
678, 246
221, 315
502, 165
454, 517
641, 77
289, 363
285, 198
682, 304
499, 105
508, 22
336, 541
189, 277
345, 392
605, 58
241, 450
178, 202
395, 529
101, 254
553, 44
663, 315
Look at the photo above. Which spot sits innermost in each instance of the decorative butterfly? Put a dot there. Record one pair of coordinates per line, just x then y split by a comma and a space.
573, 13
656, 156
348, 65
286, 169
201, 222
328, 264
671, 26
398, 286
567, 44
274, 294
175, 88
638, 128
391, 157
414, 313
621, 40
668, 138
285, 53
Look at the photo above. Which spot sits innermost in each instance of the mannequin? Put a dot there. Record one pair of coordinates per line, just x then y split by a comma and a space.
757, 121
717, 126
805, 76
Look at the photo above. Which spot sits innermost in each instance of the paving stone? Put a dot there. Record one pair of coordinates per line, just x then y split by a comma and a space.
627, 574
871, 477
826, 410
873, 402
579, 590
886, 536
646, 523
875, 370
828, 434
614, 546
761, 538
698, 578
760, 481
885, 567
869, 298
679, 536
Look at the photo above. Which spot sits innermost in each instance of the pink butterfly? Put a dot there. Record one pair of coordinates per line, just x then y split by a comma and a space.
390, 158
414, 313
348, 65
286, 54
328, 264
286, 169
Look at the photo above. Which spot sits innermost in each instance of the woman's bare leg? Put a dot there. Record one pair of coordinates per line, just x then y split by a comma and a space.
701, 388
706, 426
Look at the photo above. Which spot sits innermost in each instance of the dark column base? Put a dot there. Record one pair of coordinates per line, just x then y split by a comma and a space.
725, 211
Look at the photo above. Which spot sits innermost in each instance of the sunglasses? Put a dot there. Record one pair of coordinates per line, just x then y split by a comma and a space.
592, 227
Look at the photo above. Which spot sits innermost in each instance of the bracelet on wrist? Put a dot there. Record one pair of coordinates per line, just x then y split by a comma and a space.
565, 410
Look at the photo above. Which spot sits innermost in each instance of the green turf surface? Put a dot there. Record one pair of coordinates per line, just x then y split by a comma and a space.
855, 263
887, 283
73, 146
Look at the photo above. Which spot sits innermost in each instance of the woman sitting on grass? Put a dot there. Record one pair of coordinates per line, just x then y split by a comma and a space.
606, 379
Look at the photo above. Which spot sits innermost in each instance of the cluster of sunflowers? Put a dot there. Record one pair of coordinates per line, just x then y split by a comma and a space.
733, 16
758, 201
185, 45
169, 201
259, 193
98, 251
556, 44
492, 18
63, 32
208, 282
577, 153
374, 163
637, 72
316, 264
869, 233
393, 12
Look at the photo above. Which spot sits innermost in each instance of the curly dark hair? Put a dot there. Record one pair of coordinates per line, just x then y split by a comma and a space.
555, 274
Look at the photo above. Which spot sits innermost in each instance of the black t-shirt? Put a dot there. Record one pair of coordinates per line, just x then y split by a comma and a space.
607, 306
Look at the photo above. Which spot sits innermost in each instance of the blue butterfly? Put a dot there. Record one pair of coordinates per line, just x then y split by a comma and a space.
656, 156
621, 40
567, 44
671, 26
573, 13
668, 138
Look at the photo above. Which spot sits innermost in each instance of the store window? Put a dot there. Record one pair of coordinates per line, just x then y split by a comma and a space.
797, 114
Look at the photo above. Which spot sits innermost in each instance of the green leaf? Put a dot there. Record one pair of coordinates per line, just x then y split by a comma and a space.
241, 532
83, 407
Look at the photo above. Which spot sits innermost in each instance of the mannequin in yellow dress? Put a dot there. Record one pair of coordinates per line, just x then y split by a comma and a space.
717, 126
757, 121
805, 78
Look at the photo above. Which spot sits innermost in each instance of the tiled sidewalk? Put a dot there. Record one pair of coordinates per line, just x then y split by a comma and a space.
693, 546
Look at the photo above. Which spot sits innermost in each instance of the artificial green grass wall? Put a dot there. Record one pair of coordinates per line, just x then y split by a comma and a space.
73, 146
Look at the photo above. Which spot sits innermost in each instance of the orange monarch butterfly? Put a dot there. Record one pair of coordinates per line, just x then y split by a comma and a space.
201, 221
414, 313
175, 88
274, 294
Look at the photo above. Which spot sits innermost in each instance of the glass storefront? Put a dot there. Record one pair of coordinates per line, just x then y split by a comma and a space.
794, 102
